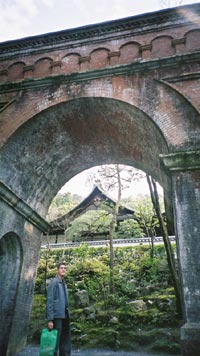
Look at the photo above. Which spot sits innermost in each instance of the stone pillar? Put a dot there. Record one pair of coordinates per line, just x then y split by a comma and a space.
184, 168
28, 71
169, 211
179, 44
84, 62
146, 51
20, 239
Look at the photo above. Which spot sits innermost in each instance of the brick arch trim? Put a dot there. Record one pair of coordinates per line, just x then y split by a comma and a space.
41, 66
16, 63
192, 40
16, 70
43, 59
183, 124
167, 107
191, 32
71, 54
99, 49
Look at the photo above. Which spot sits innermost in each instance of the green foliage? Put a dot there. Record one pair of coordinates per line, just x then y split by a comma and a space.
91, 222
129, 228
144, 213
61, 204
165, 346
37, 320
138, 278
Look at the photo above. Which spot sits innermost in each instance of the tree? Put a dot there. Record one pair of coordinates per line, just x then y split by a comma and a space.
146, 217
61, 204
114, 177
167, 243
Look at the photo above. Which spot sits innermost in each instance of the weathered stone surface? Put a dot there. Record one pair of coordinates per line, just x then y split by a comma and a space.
19, 250
190, 339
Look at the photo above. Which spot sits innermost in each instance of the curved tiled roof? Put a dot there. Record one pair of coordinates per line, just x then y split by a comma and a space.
96, 195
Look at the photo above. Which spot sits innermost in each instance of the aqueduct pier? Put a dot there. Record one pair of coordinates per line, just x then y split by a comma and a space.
125, 91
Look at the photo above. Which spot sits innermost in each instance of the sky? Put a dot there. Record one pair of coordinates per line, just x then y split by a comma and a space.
80, 185
24, 18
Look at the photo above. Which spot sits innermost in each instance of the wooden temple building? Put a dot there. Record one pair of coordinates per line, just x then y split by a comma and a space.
96, 200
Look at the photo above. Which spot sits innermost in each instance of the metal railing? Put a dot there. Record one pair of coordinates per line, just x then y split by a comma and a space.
116, 242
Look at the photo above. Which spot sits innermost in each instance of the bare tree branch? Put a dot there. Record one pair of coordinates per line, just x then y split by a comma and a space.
170, 3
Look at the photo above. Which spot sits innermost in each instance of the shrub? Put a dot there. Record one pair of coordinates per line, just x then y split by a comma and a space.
136, 276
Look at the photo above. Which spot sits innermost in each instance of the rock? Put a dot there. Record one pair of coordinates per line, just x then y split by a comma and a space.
91, 316
89, 310
114, 320
138, 305
82, 298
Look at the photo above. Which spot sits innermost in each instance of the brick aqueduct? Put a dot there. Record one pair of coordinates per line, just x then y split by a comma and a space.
124, 91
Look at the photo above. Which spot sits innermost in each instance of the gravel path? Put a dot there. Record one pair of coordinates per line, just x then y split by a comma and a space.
34, 351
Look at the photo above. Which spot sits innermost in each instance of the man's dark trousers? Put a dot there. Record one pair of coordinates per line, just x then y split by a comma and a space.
63, 346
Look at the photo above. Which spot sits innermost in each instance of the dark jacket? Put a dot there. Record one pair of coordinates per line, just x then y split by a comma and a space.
57, 299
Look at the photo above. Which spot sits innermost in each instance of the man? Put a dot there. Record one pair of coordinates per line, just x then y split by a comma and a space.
57, 311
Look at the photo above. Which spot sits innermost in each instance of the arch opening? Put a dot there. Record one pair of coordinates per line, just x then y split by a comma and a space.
93, 192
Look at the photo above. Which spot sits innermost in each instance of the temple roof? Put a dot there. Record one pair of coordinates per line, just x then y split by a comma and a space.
96, 200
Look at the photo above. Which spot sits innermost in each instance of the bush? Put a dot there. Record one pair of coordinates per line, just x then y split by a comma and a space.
136, 277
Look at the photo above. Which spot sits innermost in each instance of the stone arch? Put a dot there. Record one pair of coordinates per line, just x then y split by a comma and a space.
16, 71
158, 99
162, 47
10, 266
192, 40
42, 67
163, 103
70, 63
75, 122
99, 58
129, 52
75, 135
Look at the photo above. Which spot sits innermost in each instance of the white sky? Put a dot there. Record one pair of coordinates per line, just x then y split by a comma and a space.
80, 185
23, 18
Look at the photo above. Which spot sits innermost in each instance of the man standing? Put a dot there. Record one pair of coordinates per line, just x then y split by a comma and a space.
57, 311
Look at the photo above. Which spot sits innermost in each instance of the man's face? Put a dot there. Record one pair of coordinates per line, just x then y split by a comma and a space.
61, 271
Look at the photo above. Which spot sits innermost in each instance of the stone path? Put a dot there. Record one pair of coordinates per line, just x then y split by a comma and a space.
34, 351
